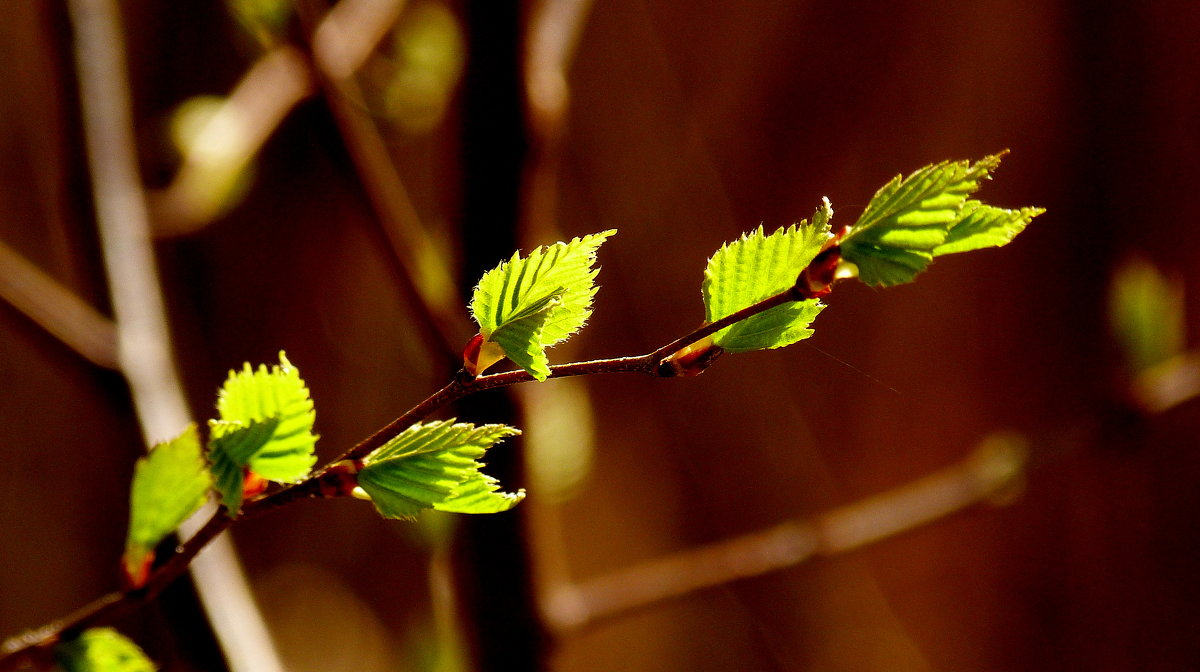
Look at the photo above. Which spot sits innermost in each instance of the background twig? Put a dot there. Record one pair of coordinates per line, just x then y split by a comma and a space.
993, 467
57, 309
143, 338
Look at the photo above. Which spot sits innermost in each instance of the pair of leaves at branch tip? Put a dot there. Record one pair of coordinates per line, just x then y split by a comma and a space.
527, 304
265, 427
758, 266
169, 485
436, 466
101, 650
913, 219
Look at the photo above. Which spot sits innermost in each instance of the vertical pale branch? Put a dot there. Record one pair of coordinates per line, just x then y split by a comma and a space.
143, 340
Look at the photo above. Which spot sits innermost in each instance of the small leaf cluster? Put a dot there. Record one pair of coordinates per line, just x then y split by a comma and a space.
755, 267
264, 434
759, 291
1146, 313
930, 213
528, 304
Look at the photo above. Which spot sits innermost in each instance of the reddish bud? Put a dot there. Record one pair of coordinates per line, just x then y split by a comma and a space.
135, 568
471, 352
817, 279
339, 480
252, 484
691, 360
481, 353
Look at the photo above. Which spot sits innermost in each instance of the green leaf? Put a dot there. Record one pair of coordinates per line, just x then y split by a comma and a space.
169, 484
435, 466
232, 447
983, 226
479, 493
249, 396
523, 338
527, 304
755, 267
101, 650
910, 220
1146, 311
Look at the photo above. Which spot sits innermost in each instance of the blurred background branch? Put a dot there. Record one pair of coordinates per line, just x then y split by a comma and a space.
57, 309
995, 467
144, 348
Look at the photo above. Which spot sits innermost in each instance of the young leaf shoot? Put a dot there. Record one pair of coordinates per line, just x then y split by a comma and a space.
763, 289
528, 304
265, 428
436, 466
755, 267
913, 219
169, 484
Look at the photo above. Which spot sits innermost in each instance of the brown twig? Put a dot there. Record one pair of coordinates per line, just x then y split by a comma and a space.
23, 647
37, 645
995, 466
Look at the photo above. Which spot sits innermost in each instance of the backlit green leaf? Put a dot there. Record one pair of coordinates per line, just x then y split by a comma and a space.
527, 304
479, 493
435, 466
522, 338
279, 394
913, 219
101, 650
169, 484
232, 446
755, 267
983, 226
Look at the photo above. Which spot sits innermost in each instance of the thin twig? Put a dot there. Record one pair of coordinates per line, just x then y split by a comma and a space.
20, 647
343, 38
35, 645
349, 32
57, 309
994, 467
339, 50
1169, 384
143, 337
650, 363
230, 139
554, 30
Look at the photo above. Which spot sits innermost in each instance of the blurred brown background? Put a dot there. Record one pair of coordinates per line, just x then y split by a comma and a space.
686, 124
